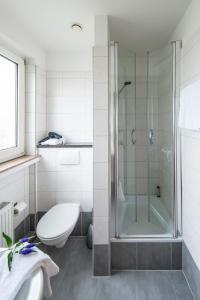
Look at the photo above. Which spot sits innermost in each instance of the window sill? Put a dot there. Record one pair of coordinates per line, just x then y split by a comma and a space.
15, 165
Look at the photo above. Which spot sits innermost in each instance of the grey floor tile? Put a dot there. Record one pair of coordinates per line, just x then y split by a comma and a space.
180, 286
114, 288
145, 288
191, 272
77, 228
163, 285
75, 280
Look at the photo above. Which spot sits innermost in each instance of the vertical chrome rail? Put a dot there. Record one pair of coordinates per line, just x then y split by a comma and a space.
112, 134
116, 112
148, 124
135, 102
174, 136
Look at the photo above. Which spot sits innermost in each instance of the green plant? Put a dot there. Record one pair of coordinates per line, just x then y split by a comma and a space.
24, 246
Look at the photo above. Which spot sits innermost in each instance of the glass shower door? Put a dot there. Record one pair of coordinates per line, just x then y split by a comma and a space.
143, 142
160, 141
126, 119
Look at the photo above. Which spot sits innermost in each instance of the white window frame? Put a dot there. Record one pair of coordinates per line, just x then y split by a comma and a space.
14, 152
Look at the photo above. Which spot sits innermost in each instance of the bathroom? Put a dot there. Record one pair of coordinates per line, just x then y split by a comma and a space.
99, 149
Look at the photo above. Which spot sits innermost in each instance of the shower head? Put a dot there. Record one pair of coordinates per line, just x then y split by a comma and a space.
127, 82
124, 85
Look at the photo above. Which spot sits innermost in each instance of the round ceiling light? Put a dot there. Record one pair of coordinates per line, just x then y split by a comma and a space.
77, 27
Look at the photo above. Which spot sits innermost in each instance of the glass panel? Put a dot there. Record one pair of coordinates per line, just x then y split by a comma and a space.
145, 206
126, 141
8, 103
160, 142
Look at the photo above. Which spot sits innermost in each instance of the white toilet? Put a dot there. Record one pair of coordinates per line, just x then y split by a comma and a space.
57, 224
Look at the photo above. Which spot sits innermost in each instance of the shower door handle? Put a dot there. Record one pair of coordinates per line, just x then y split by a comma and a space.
151, 134
133, 138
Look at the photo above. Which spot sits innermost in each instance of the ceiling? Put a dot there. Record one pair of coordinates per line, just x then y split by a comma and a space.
137, 24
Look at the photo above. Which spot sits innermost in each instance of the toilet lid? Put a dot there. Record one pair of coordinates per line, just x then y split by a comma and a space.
58, 220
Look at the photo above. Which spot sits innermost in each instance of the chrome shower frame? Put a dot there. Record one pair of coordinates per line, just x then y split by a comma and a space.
113, 124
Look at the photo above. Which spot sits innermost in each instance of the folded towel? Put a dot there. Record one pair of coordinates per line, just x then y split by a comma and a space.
52, 142
190, 107
22, 268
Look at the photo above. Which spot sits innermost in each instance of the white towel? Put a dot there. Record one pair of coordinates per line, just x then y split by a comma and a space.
22, 267
53, 142
189, 116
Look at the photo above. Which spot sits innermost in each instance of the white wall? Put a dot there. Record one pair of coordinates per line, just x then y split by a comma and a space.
68, 61
189, 31
40, 105
68, 112
15, 38
69, 105
69, 96
101, 185
15, 188
60, 180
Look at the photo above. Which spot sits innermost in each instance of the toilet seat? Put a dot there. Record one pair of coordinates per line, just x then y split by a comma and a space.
58, 221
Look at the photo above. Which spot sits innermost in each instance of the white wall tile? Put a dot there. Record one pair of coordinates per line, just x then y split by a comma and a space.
69, 183
73, 87
101, 230
100, 122
54, 87
101, 203
100, 51
100, 69
100, 176
100, 132
69, 105
100, 149
47, 181
100, 95
30, 83
15, 188
46, 200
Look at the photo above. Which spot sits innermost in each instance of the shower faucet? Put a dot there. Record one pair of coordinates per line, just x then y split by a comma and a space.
151, 134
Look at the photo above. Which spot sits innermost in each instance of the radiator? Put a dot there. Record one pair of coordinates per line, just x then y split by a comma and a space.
6, 221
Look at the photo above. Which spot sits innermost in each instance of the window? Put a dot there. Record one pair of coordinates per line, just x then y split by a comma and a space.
11, 106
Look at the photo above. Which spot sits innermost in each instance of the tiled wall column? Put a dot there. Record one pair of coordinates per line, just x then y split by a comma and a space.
35, 126
30, 109
101, 251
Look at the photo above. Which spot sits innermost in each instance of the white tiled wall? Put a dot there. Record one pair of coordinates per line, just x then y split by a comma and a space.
30, 109
15, 188
35, 113
40, 103
133, 115
35, 125
61, 180
69, 104
189, 31
100, 164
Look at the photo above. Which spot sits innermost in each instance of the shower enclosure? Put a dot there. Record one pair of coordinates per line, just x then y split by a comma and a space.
144, 99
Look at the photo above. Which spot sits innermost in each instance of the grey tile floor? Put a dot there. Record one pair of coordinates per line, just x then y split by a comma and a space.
75, 280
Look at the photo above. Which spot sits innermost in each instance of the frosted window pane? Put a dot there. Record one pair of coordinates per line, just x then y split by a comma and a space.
8, 103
